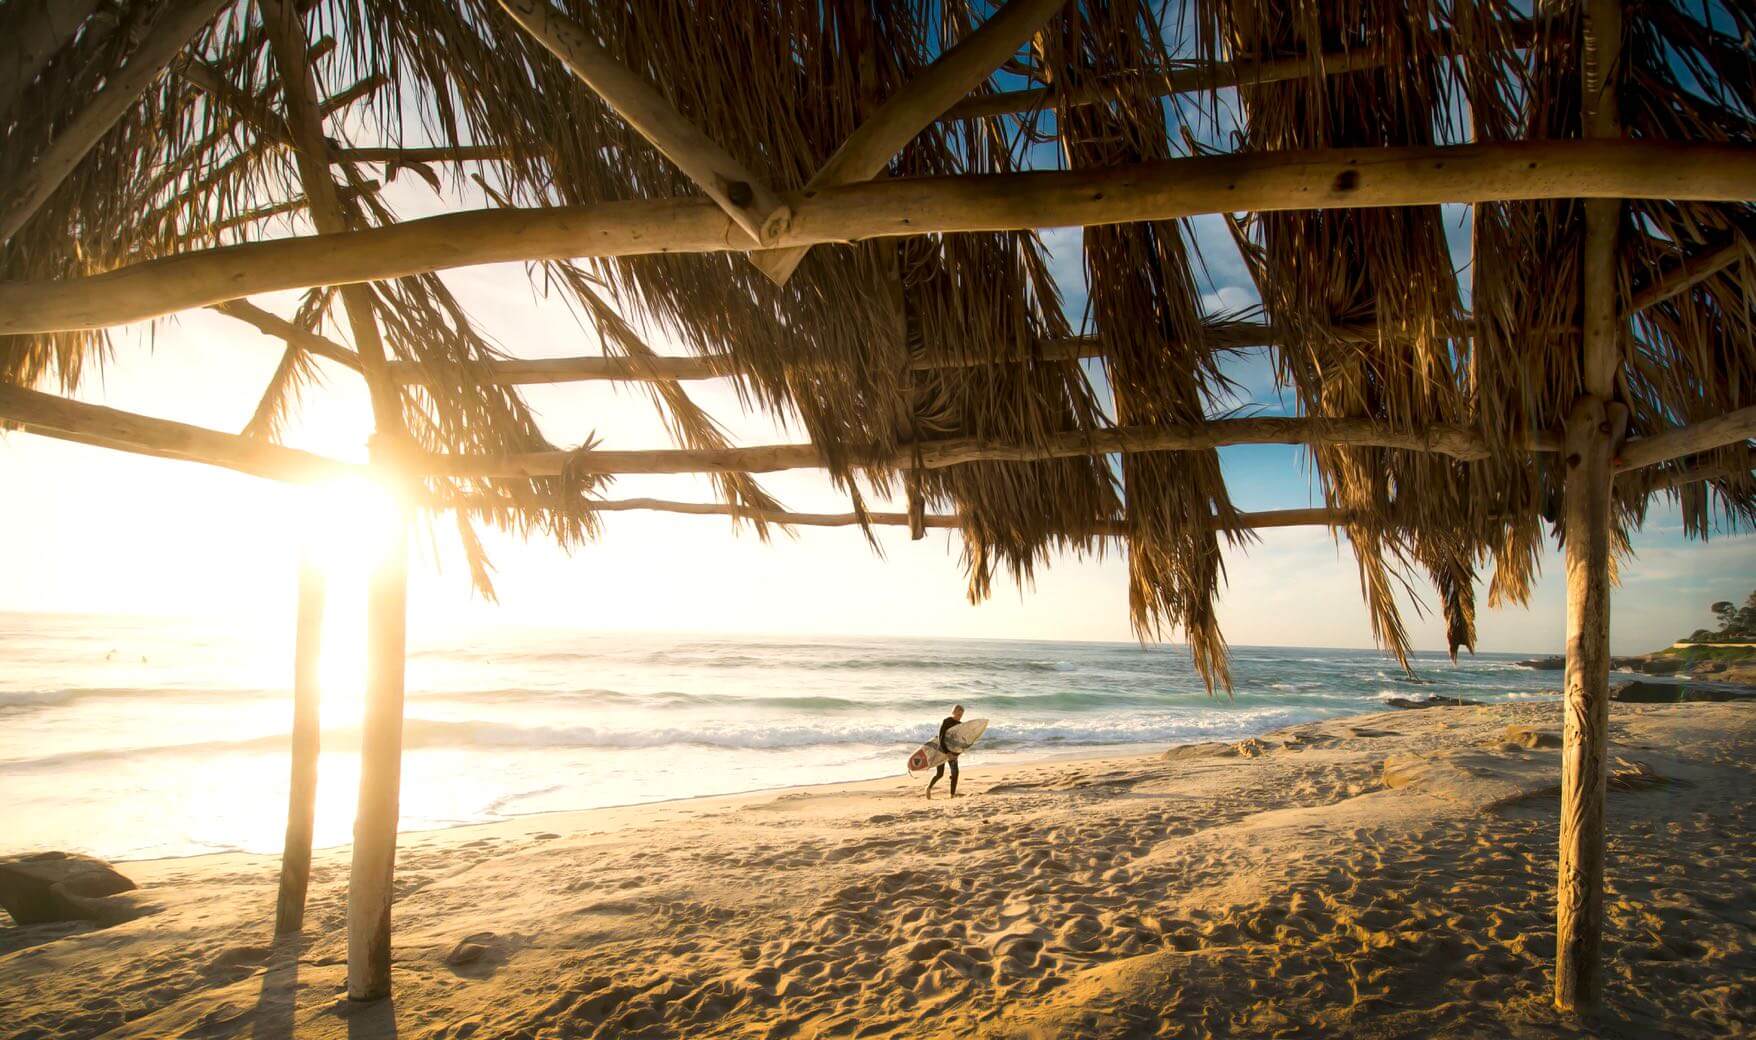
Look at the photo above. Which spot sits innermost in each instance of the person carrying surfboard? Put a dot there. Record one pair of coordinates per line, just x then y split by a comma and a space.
950, 720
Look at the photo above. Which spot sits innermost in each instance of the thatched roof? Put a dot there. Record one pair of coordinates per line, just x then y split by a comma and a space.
881, 350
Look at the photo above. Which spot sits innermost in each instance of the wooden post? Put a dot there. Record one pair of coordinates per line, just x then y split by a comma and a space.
1591, 433
295, 856
371, 881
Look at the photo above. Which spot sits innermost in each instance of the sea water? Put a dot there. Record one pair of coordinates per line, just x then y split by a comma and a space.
134, 738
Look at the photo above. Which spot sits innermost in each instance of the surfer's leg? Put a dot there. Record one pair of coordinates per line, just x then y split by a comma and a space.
954, 778
936, 775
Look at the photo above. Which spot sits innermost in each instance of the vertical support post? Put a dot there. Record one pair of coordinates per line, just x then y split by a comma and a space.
295, 856
371, 882
1591, 433
371, 879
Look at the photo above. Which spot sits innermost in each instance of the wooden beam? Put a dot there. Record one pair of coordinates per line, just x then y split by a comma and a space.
1193, 77
58, 417
336, 102
1744, 464
35, 31
956, 72
1587, 521
1226, 335
461, 153
1457, 442
1271, 518
738, 192
176, 24
1678, 441
275, 325
295, 855
1690, 273
1333, 179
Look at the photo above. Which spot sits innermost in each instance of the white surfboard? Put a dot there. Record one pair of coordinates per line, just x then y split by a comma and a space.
958, 738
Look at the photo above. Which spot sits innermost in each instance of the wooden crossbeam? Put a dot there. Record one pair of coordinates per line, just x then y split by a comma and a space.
740, 194
336, 102
1690, 273
1326, 179
176, 24
61, 418
1675, 443
1262, 520
252, 110
915, 107
1197, 77
1456, 442
1222, 335
394, 156
275, 325
65, 419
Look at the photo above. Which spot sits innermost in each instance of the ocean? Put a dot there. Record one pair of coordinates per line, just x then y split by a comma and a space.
133, 738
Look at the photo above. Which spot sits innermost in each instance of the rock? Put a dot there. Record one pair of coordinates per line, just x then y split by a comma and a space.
58, 886
1545, 664
1638, 692
470, 949
465, 953
1432, 702
1630, 775
1532, 737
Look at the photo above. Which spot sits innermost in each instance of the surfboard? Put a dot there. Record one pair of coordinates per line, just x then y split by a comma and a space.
959, 737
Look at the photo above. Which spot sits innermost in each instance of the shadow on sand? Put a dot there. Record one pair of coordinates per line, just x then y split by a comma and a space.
277, 1002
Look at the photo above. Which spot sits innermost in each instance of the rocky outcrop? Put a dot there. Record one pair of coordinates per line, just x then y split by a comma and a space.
1432, 702
1544, 664
59, 886
1638, 692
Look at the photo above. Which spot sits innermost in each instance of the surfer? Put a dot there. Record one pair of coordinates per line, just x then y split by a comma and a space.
950, 720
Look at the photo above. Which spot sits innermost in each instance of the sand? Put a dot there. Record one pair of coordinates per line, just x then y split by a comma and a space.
1379, 876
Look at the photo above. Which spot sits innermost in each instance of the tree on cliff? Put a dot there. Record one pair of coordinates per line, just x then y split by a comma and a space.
1736, 624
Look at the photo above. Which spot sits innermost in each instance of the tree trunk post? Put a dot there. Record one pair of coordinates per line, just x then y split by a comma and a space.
1592, 431
295, 857
371, 881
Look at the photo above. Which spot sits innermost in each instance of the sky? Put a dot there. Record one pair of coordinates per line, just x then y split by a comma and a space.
85, 530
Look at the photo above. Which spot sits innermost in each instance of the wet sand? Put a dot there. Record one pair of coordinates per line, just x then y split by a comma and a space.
1378, 876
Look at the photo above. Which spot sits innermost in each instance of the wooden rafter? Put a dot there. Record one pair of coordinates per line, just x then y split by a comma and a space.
63, 419
740, 194
51, 416
1680, 441
915, 107
1263, 520
176, 24
1456, 442
1335, 179
1690, 273
275, 325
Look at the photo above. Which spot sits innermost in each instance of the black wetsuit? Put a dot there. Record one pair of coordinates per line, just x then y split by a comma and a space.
944, 728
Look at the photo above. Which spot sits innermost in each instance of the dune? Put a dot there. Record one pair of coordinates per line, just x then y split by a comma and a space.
1380, 876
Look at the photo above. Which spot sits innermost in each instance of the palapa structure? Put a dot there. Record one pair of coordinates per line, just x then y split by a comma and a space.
834, 205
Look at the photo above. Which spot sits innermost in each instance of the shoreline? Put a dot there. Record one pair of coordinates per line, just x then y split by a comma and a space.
1094, 753
1378, 875
1035, 757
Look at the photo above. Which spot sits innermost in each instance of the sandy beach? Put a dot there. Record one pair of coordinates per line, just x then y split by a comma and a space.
1381, 876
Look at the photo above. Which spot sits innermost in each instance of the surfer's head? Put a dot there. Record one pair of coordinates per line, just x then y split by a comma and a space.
957, 712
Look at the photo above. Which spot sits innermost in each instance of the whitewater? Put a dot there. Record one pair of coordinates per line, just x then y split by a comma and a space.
137, 737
